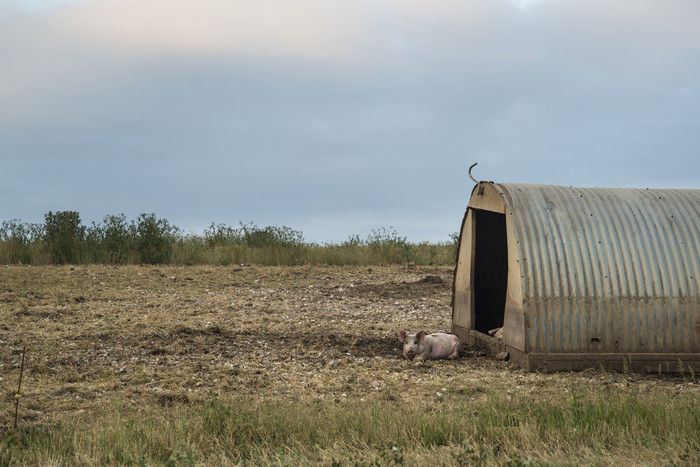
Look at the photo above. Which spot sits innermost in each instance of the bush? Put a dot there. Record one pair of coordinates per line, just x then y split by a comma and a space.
64, 235
221, 234
17, 240
383, 237
256, 237
117, 238
387, 244
155, 238
112, 241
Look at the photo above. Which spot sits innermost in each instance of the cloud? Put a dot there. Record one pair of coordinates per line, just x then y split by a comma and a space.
366, 109
14, 7
361, 36
138, 28
52, 56
499, 66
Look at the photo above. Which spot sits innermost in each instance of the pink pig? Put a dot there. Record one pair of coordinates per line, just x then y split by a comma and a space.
423, 347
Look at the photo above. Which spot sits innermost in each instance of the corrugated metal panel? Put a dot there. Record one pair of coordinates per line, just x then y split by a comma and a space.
608, 269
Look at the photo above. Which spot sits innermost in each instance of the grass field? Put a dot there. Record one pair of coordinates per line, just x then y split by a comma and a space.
253, 365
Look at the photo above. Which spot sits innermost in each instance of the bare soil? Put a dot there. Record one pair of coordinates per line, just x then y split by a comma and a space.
169, 335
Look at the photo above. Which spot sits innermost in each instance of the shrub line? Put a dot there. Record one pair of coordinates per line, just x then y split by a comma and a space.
63, 239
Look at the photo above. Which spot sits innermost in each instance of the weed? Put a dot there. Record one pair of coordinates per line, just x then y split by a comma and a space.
471, 456
519, 460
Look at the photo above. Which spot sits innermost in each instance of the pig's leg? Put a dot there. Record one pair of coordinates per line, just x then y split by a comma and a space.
421, 357
455, 352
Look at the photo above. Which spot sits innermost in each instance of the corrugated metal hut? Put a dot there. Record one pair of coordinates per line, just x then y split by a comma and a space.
581, 277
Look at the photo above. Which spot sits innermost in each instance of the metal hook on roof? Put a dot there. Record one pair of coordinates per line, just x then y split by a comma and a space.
470, 173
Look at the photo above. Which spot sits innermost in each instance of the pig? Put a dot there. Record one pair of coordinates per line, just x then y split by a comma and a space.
497, 333
421, 347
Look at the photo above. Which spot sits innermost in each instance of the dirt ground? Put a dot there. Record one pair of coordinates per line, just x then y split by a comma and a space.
168, 335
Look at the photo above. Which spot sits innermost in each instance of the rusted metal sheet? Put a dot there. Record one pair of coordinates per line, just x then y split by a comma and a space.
608, 269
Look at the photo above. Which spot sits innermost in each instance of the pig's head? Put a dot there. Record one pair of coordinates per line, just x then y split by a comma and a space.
411, 343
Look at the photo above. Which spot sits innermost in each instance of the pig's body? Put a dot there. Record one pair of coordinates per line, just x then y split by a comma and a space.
423, 346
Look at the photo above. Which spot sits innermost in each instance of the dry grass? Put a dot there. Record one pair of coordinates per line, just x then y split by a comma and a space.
288, 365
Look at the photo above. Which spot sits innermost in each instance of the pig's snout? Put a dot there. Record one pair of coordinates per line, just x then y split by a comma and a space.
411, 343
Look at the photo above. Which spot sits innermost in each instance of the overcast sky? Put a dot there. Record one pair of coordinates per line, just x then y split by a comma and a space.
337, 117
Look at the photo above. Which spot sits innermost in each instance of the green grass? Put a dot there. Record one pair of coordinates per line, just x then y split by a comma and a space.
333, 255
193, 252
584, 428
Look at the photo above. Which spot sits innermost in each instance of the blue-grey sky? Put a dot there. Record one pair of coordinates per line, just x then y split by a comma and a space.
338, 117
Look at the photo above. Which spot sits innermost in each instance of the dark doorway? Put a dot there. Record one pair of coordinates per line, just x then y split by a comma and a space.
490, 270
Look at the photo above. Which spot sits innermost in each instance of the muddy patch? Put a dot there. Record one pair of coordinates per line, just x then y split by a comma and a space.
428, 286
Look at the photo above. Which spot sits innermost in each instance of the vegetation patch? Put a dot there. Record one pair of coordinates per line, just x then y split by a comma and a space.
63, 239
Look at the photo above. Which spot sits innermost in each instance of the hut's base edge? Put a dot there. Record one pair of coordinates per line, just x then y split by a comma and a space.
569, 361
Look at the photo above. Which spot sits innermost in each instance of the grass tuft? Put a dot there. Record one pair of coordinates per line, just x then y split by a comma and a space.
497, 431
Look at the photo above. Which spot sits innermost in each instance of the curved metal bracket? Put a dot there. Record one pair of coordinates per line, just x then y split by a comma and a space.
470, 173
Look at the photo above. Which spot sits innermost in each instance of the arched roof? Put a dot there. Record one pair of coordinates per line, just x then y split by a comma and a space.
607, 269
603, 242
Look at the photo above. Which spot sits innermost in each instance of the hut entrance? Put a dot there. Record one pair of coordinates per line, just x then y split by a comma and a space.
490, 270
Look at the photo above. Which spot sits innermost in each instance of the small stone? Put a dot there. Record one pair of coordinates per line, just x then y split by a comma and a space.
330, 365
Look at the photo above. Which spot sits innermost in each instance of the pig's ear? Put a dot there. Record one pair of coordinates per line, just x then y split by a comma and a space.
421, 335
402, 335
